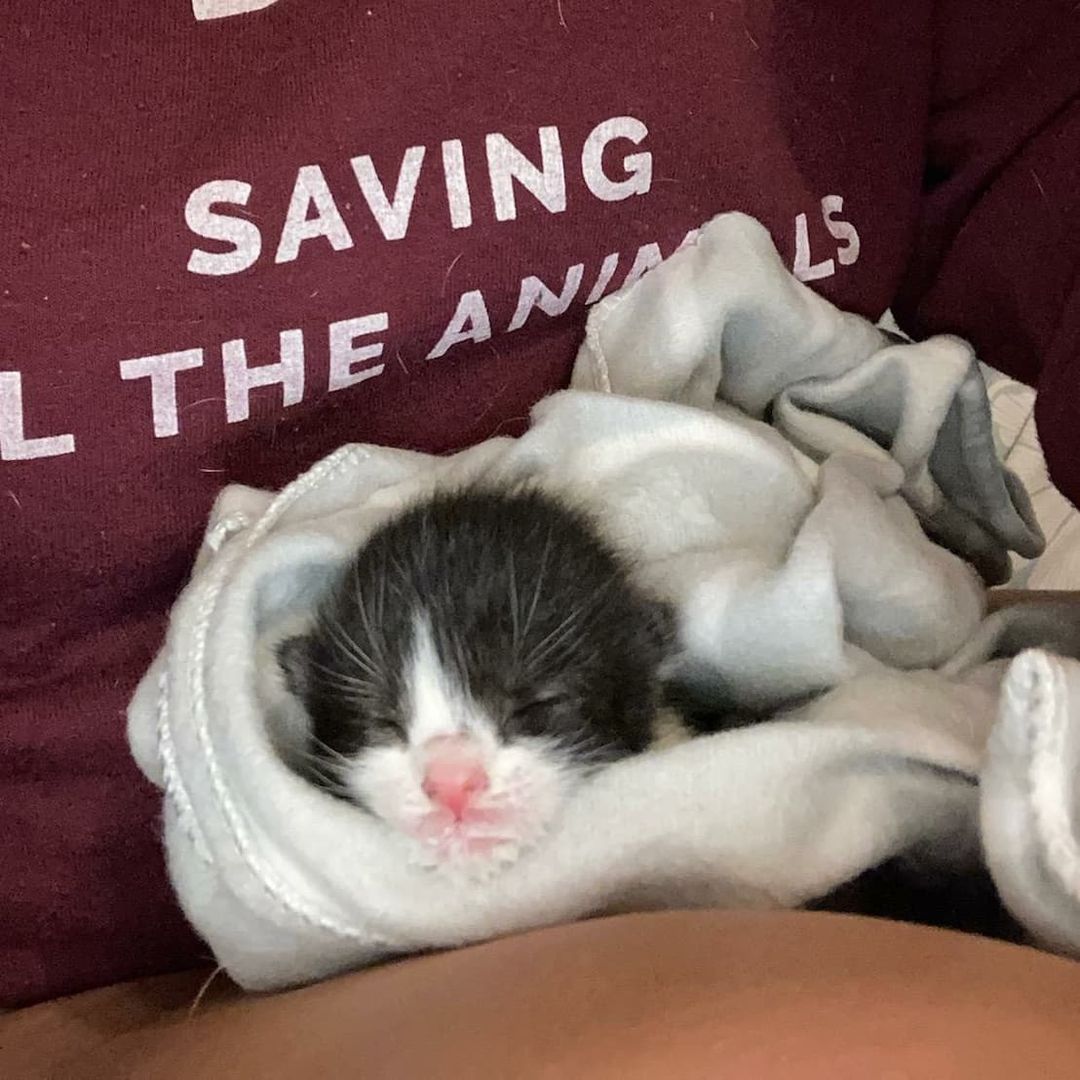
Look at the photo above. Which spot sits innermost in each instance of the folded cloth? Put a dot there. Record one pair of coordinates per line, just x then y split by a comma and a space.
793, 555
723, 321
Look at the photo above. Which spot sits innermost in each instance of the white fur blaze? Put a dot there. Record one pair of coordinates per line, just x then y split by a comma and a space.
436, 702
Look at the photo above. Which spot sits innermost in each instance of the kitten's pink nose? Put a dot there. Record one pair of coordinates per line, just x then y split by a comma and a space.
454, 774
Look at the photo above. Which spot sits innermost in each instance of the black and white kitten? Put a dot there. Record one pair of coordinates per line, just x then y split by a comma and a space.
479, 654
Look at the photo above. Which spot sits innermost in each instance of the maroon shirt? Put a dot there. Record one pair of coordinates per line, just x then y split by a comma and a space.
231, 244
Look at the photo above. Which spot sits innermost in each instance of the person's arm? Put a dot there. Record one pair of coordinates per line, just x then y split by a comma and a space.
997, 258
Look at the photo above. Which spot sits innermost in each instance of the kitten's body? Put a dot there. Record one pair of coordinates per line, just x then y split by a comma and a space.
480, 652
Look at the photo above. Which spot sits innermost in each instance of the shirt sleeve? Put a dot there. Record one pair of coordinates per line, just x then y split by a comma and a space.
997, 256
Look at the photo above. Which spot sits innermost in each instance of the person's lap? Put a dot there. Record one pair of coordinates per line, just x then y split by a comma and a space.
682, 994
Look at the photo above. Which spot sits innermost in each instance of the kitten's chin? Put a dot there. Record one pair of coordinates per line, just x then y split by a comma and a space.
457, 848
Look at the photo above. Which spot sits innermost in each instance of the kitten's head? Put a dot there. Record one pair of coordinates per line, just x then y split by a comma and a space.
478, 657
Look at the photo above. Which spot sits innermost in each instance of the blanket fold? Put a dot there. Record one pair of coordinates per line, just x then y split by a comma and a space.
725, 322
810, 495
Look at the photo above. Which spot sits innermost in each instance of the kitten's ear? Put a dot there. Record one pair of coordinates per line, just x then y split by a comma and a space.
294, 656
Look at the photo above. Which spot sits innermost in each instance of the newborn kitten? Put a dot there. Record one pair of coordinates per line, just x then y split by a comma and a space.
478, 655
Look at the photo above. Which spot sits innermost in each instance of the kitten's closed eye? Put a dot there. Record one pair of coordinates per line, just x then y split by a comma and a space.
387, 729
532, 716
